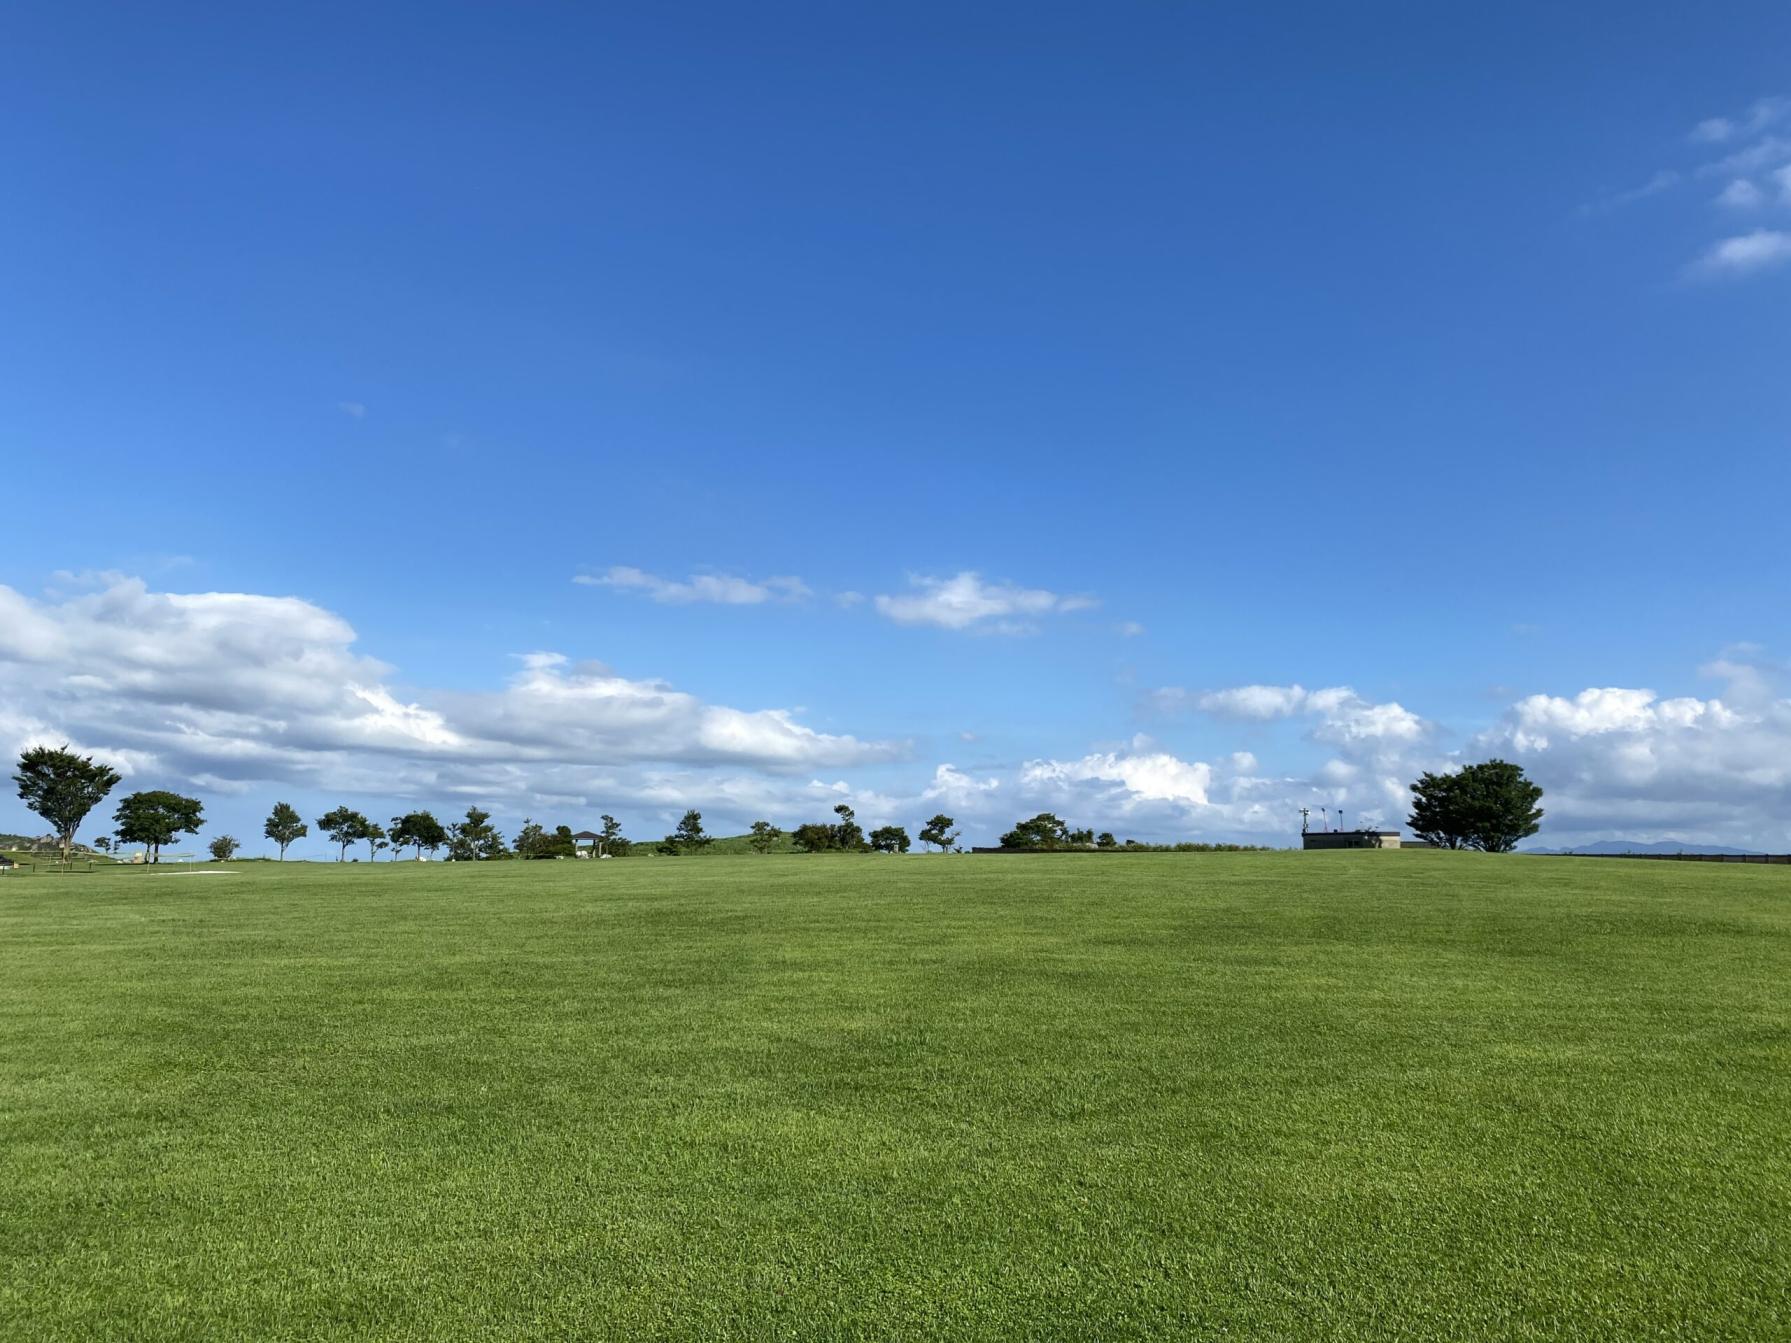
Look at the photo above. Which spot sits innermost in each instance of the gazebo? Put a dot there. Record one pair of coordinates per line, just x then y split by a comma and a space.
584, 838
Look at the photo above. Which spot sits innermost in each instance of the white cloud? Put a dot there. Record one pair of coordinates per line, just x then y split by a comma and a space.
967, 602
1621, 762
353, 409
1128, 629
1764, 153
1741, 194
1746, 253
238, 686
722, 589
1763, 113
1344, 716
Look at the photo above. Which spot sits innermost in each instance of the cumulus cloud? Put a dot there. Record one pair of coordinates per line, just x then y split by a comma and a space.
1746, 253
237, 687
722, 589
1624, 762
967, 601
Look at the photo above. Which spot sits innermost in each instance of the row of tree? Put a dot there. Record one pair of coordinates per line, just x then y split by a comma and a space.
1489, 806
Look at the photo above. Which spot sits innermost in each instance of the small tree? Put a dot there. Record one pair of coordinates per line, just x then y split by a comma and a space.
938, 832
344, 826
1105, 840
375, 835
153, 819
103, 844
224, 848
62, 787
764, 837
533, 841
609, 835
689, 834
848, 835
475, 837
890, 839
418, 830
283, 826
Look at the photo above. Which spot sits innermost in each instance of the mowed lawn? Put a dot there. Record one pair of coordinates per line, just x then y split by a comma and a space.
1304, 1096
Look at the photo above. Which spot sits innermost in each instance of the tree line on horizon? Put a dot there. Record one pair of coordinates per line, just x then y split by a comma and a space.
1488, 806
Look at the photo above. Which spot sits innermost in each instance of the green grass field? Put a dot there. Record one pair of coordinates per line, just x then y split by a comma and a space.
1298, 1096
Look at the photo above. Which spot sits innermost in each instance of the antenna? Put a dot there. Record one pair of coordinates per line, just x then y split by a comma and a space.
1304, 813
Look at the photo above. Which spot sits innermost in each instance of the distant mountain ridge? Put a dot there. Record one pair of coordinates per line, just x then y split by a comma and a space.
1658, 846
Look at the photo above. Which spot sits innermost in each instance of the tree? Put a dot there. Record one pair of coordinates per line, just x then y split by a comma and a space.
62, 787
890, 839
610, 835
1105, 840
814, 837
224, 848
533, 841
848, 834
1488, 806
939, 832
153, 819
418, 830
689, 834
375, 835
475, 838
344, 826
1436, 811
283, 826
1499, 805
1044, 831
764, 837
103, 844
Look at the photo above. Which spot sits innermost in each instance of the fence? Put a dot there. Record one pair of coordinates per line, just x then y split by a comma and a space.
1694, 857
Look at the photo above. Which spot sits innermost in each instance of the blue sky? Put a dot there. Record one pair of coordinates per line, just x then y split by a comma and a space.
1421, 359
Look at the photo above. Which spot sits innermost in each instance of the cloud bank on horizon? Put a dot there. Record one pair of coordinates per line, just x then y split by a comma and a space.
248, 695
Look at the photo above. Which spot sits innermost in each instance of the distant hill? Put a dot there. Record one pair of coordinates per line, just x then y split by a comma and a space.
1638, 846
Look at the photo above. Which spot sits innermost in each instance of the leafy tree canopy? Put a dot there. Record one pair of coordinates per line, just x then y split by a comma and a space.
890, 839
939, 832
1044, 831
345, 826
1490, 806
283, 826
154, 818
62, 787
764, 837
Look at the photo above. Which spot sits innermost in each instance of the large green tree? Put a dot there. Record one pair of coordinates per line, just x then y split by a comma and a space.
154, 818
345, 826
283, 826
62, 787
1044, 831
1490, 806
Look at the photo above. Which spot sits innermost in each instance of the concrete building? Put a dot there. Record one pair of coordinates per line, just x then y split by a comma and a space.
1349, 839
